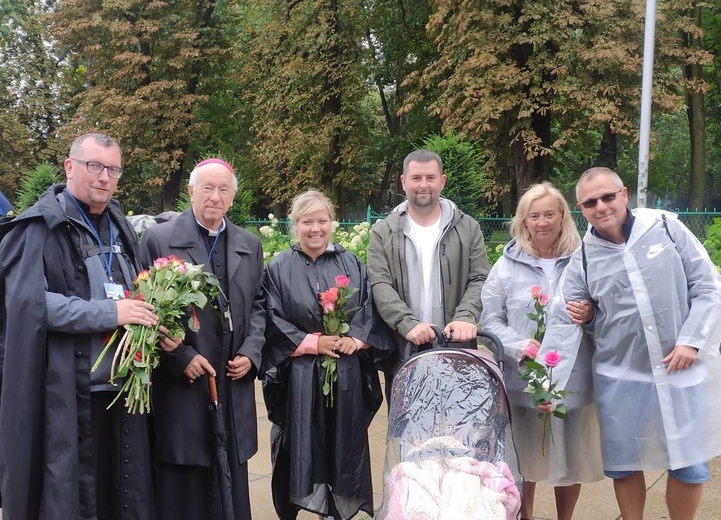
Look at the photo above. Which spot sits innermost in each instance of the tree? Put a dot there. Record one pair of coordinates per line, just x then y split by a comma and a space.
396, 46
149, 66
37, 86
307, 86
509, 69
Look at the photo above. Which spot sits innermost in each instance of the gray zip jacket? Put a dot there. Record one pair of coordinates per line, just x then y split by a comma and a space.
394, 270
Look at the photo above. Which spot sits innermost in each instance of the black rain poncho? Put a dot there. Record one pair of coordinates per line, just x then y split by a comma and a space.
318, 450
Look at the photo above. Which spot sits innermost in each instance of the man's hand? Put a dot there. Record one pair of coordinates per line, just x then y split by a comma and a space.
135, 312
580, 312
239, 366
167, 343
460, 331
420, 334
680, 358
326, 346
197, 367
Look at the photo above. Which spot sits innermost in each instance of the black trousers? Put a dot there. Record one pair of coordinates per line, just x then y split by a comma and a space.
191, 492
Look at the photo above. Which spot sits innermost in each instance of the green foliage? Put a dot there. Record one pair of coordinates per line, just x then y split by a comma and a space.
713, 241
36, 181
273, 239
463, 166
354, 239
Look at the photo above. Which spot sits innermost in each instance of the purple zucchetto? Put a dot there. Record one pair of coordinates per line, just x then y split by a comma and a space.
213, 160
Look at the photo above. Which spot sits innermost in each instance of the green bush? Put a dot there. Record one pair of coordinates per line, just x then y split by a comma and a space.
36, 181
462, 164
713, 241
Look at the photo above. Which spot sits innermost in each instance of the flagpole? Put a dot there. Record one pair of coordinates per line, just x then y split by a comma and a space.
646, 96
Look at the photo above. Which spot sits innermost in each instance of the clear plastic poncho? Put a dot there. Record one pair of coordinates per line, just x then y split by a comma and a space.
449, 452
574, 455
655, 291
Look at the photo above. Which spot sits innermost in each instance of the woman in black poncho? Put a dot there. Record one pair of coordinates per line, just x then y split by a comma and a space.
321, 459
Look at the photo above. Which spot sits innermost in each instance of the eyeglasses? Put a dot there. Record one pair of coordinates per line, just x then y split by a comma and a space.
608, 197
209, 190
97, 168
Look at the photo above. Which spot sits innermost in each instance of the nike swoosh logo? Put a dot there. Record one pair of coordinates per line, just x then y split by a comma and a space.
654, 251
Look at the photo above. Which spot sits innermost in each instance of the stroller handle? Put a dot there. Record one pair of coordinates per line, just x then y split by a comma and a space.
497, 344
442, 341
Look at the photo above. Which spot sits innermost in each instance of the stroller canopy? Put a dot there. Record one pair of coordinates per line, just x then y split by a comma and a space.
449, 449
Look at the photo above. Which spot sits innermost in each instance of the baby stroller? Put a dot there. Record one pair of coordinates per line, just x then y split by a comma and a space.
449, 451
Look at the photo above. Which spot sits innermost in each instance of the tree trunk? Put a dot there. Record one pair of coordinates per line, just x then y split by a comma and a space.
695, 101
608, 151
522, 166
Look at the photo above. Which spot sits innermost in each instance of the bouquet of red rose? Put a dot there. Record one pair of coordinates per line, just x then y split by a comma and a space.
173, 287
335, 323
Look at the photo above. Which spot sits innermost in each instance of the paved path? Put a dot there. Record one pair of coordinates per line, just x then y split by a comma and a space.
597, 501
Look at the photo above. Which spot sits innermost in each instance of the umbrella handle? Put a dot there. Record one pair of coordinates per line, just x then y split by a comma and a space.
213, 389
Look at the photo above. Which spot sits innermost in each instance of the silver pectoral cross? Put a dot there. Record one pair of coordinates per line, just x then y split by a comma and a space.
229, 317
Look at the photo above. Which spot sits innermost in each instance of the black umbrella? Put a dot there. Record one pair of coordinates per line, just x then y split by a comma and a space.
220, 449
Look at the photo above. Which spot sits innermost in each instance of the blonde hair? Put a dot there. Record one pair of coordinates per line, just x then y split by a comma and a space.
568, 238
305, 204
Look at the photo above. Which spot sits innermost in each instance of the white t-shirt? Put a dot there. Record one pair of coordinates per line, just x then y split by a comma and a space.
424, 239
548, 265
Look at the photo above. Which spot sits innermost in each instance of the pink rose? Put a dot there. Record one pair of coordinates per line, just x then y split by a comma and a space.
536, 292
342, 280
161, 262
329, 296
552, 358
142, 275
543, 300
328, 307
531, 351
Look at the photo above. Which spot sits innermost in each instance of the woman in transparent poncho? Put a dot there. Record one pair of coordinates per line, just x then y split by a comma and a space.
544, 237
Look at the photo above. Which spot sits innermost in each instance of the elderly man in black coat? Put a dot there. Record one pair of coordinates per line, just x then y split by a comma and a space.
228, 345
63, 265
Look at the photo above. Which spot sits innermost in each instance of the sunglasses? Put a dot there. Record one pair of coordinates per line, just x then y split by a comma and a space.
608, 197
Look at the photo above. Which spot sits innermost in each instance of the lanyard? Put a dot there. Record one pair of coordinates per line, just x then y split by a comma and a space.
107, 260
209, 254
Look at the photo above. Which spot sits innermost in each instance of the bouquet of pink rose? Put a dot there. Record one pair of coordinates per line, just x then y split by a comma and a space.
172, 287
335, 323
543, 388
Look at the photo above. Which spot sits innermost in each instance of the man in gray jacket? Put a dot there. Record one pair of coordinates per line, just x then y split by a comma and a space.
427, 260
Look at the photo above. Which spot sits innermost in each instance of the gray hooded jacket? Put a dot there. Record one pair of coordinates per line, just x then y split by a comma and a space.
393, 266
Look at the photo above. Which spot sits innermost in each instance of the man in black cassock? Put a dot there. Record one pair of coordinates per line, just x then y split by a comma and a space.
227, 345
64, 264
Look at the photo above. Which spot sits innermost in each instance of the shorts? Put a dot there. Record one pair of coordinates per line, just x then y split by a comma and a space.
696, 474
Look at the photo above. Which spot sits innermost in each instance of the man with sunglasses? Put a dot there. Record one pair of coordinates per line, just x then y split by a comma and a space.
656, 334
64, 266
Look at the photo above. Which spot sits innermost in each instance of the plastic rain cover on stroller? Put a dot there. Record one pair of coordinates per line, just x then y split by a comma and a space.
449, 452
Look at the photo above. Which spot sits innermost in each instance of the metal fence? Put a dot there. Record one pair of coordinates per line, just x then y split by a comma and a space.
495, 229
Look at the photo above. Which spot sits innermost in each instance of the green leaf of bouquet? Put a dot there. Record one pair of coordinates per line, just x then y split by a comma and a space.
332, 324
191, 324
560, 411
533, 365
344, 328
